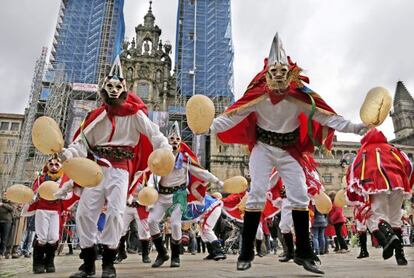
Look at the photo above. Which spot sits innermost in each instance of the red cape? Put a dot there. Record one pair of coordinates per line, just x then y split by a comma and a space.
131, 106
378, 166
192, 159
245, 131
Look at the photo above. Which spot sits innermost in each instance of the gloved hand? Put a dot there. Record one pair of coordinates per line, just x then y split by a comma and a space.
219, 184
361, 129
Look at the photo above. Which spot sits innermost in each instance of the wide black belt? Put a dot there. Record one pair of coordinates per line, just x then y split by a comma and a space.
170, 190
115, 153
134, 204
277, 139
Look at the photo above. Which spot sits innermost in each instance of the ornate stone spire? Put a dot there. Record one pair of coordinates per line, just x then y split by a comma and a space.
149, 18
402, 95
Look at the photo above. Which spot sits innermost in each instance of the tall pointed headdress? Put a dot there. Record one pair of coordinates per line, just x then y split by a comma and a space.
277, 54
116, 70
174, 130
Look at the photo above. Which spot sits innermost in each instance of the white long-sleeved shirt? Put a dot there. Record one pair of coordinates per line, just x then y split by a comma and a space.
127, 132
179, 176
281, 118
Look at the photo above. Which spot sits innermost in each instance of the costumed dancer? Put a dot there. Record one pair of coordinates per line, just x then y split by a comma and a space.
286, 222
173, 196
381, 175
271, 208
135, 211
279, 118
361, 214
119, 136
205, 209
47, 218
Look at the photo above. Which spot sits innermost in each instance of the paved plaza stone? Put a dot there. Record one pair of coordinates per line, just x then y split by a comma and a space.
334, 265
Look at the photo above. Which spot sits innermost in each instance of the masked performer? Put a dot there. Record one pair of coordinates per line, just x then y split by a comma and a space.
47, 218
280, 119
205, 209
173, 196
381, 176
139, 213
118, 135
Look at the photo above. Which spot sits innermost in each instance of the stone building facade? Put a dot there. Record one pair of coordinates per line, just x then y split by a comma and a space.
147, 65
10, 127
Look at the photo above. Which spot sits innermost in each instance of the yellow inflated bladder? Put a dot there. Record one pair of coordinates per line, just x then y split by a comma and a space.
340, 200
236, 184
46, 136
19, 193
147, 196
323, 203
376, 107
200, 113
161, 162
48, 189
83, 171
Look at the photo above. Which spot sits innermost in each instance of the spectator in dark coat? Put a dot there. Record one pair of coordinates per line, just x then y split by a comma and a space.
6, 220
318, 232
336, 217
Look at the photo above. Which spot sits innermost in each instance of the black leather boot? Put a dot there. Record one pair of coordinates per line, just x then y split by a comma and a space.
162, 252
50, 250
392, 240
87, 269
218, 252
122, 255
210, 255
362, 236
399, 249
145, 251
38, 257
290, 249
259, 248
251, 222
108, 258
175, 253
304, 254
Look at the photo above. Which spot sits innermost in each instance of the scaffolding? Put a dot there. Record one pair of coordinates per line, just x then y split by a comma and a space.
87, 38
26, 149
204, 61
204, 49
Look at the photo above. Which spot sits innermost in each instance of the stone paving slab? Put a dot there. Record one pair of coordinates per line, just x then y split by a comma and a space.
334, 265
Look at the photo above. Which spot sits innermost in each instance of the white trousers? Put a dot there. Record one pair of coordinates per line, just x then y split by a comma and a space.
130, 215
286, 220
386, 206
47, 226
259, 232
262, 160
360, 227
157, 214
113, 189
207, 224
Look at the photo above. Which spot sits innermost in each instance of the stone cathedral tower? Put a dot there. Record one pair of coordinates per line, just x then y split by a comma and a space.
403, 116
147, 65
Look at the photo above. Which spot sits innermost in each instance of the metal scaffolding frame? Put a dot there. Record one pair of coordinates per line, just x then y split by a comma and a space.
32, 112
87, 38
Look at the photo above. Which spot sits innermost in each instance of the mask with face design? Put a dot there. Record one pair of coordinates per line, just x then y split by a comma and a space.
114, 85
174, 136
278, 74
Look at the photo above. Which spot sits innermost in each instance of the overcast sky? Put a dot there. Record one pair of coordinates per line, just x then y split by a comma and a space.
346, 47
